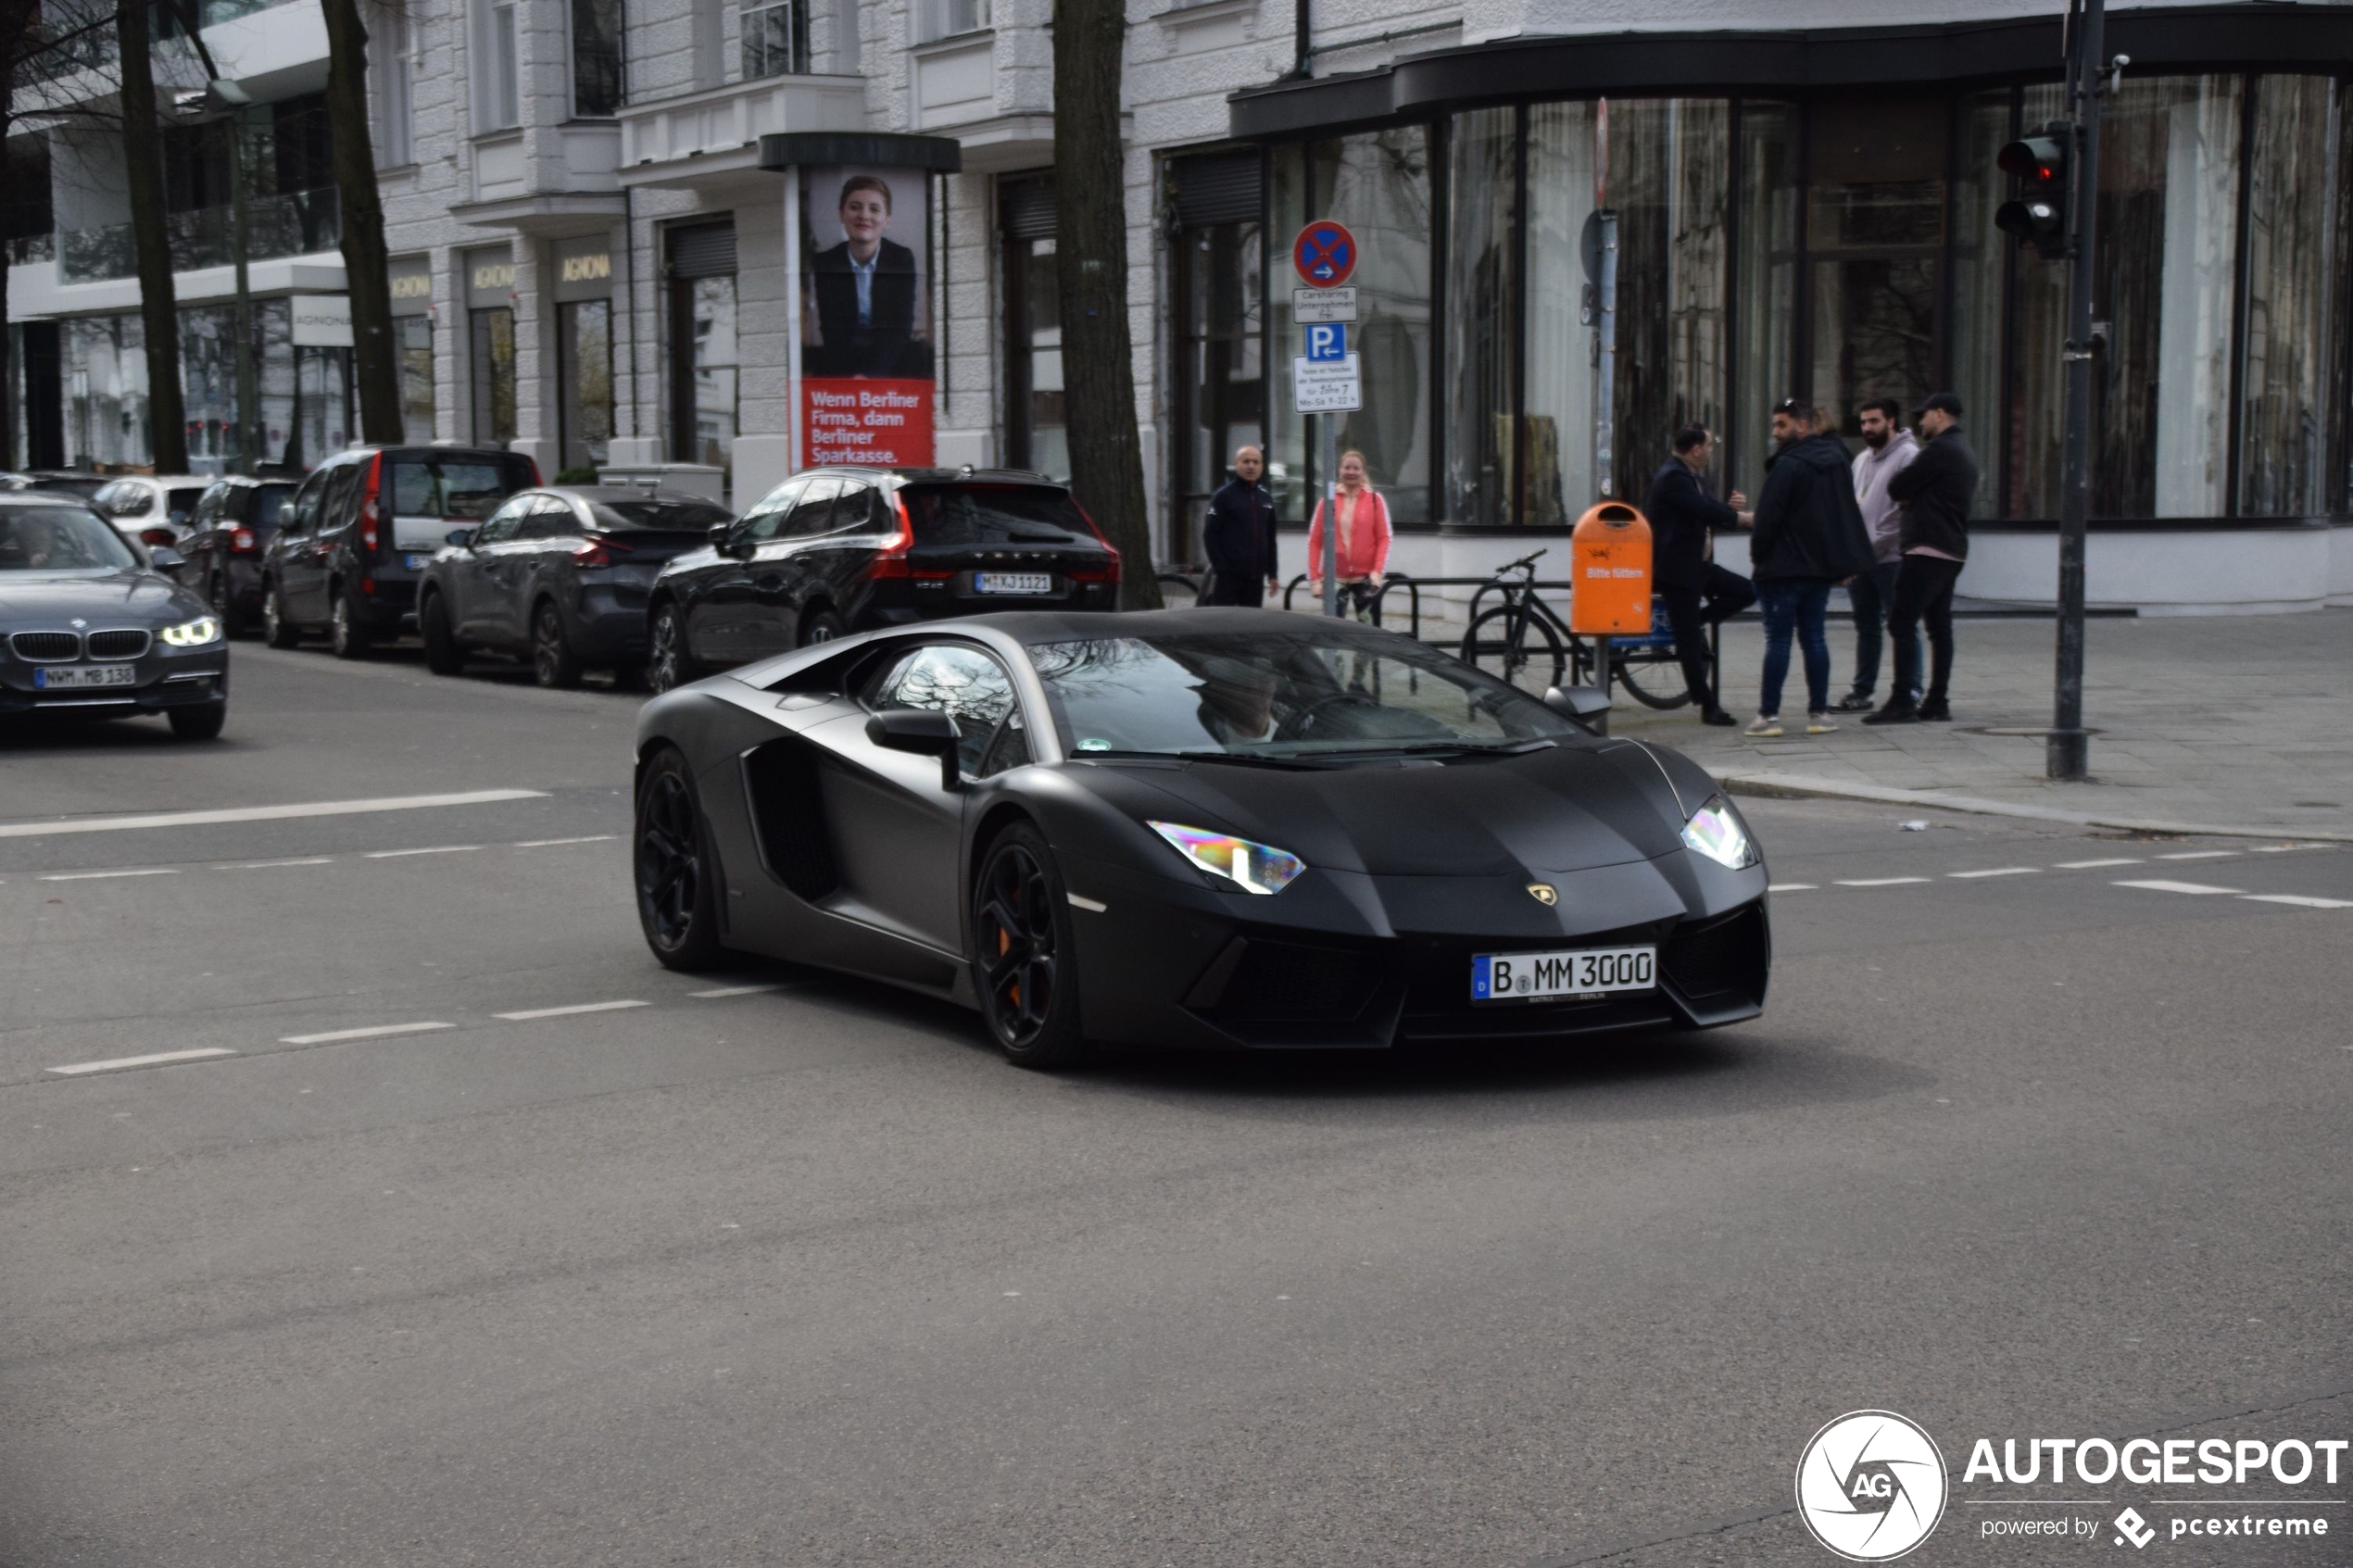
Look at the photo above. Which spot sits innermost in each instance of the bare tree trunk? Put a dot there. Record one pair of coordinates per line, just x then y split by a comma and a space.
367, 269
15, 45
158, 306
1090, 258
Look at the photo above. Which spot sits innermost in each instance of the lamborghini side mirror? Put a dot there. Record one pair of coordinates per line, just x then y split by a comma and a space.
924, 731
1580, 705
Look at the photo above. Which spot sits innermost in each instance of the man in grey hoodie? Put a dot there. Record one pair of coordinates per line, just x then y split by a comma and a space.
1888, 449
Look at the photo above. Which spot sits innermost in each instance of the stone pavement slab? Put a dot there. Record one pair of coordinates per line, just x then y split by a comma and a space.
2235, 723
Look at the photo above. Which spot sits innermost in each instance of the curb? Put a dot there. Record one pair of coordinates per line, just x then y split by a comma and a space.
1795, 786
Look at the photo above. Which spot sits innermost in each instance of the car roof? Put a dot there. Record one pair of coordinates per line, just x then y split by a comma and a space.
937, 475
45, 499
620, 492
255, 480
166, 481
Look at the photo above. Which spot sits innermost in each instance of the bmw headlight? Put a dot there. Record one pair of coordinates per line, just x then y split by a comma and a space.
1253, 868
192, 634
1717, 831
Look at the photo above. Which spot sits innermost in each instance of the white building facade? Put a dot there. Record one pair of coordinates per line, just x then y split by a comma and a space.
590, 259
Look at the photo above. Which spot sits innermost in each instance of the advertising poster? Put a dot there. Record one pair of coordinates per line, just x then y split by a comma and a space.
866, 388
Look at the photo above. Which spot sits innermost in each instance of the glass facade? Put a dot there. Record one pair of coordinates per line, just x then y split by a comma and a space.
494, 374
584, 331
1836, 250
304, 391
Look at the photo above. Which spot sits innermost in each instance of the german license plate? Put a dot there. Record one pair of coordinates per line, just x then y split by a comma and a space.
1032, 584
414, 563
1591, 971
74, 677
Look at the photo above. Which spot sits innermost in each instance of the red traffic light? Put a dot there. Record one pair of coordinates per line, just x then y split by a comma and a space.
2039, 216
2040, 160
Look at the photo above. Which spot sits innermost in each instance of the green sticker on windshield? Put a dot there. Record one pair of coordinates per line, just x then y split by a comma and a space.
1094, 745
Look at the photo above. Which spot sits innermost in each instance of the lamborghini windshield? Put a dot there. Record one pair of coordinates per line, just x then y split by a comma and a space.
1320, 688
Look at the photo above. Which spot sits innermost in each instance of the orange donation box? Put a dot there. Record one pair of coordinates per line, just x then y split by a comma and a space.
1609, 577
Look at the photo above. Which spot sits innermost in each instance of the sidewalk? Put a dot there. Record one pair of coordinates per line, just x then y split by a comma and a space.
2233, 723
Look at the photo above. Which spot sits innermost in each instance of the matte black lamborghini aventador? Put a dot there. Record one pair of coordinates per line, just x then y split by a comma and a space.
1220, 828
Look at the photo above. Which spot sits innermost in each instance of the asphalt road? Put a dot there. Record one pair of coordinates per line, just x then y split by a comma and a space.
774, 1268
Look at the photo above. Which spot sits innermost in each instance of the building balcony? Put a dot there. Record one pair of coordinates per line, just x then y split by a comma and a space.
710, 140
970, 87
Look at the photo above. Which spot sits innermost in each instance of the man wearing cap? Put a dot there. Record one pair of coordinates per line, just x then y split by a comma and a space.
1935, 492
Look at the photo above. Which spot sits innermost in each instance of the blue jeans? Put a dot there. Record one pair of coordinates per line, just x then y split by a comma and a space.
1799, 604
1872, 595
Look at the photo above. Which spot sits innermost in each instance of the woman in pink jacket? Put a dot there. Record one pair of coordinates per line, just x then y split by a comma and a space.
1362, 543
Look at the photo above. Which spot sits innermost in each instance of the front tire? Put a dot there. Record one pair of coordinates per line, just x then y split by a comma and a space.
345, 635
1024, 965
669, 662
276, 629
676, 875
553, 664
200, 723
443, 656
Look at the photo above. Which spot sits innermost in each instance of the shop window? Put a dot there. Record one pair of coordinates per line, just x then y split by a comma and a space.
493, 333
703, 359
413, 335
1764, 344
1875, 249
1036, 433
1482, 360
2285, 387
598, 27
584, 330
1986, 122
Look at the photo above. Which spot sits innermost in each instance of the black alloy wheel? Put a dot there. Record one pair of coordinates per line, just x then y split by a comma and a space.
822, 626
443, 656
345, 635
279, 632
553, 664
669, 664
1024, 967
677, 898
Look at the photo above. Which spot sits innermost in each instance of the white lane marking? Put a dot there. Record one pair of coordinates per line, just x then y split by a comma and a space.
2162, 886
550, 842
158, 1059
2095, 865
371, 1032
88, 876
2301, 900
1090, 905
1790, 886
2199, 855
1879, 881
266, 813
1998, 871
436, 850
734, 991
2287, 849
272, 865
530, 1013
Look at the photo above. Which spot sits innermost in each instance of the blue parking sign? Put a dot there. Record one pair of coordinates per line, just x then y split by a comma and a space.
1327, 343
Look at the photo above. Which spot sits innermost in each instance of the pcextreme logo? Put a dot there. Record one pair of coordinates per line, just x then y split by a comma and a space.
1871, 1485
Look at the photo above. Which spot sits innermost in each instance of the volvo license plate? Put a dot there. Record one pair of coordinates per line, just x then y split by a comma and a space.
1033, 585
1590, 971
76, 677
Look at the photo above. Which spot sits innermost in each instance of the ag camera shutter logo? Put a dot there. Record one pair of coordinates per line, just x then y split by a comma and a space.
1871, 1485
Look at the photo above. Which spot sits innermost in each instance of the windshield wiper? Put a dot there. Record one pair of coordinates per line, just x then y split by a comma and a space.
1450, 749
1243, 759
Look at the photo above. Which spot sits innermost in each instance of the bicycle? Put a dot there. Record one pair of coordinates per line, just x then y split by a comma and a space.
1524, 634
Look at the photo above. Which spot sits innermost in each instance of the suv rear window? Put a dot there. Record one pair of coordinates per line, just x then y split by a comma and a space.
995, 514
462, 489
268, 505
673, 517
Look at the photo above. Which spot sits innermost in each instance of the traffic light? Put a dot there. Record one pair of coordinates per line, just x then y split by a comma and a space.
2039, 215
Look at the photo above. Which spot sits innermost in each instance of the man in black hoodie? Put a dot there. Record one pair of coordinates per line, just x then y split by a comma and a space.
1241, 536
1935, 492
1809, 536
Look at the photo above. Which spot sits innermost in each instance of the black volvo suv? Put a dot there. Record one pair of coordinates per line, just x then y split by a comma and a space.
834, 550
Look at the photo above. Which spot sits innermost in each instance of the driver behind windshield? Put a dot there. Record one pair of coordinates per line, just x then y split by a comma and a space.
56, 539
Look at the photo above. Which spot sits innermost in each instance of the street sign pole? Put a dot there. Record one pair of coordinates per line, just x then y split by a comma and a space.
1324, 254
2067, 750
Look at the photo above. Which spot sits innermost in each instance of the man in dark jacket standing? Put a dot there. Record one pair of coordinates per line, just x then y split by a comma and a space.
1696, 591
1935, 492
1809, 536
1239, 537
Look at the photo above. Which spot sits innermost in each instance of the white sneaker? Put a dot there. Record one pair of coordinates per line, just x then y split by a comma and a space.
1819, 724
1767, 727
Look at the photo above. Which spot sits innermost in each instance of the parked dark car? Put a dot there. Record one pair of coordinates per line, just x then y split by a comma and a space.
562, 573
89, 624
356, 539
79, 483
835, 550
233, 524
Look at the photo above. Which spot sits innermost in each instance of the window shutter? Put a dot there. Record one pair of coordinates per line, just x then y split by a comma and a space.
707, 250
1218, 188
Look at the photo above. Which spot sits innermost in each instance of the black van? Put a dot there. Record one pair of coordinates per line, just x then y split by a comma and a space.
354, 541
